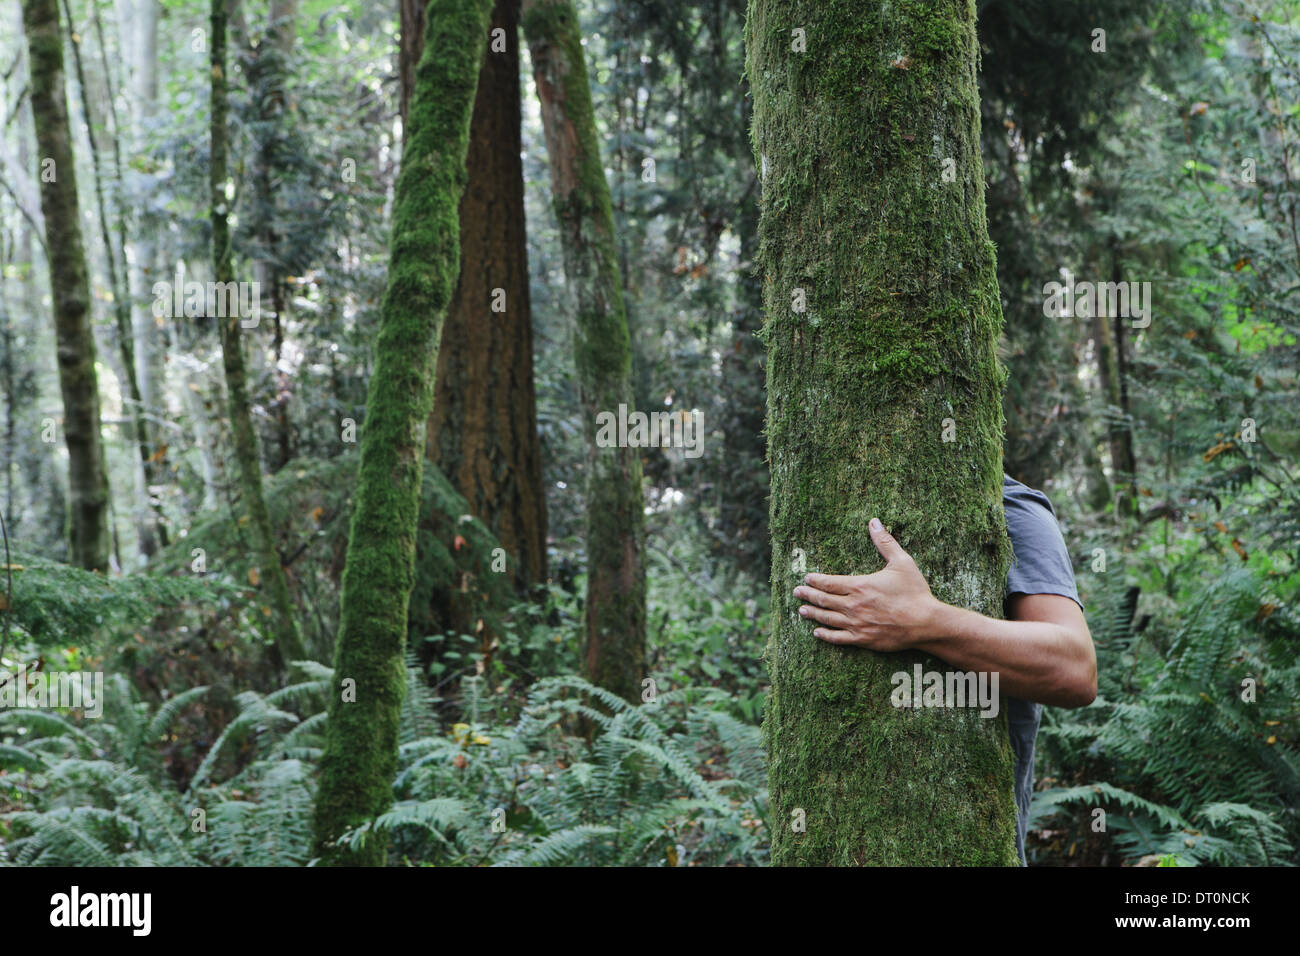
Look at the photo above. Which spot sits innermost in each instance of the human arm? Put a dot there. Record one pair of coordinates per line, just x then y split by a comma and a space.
1044, 653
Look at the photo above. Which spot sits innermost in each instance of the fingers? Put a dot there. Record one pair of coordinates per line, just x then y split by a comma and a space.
823, 616
832, 636
889, 549
830, 583
821, 598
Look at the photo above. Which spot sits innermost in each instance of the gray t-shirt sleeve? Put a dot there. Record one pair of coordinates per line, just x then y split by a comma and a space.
1041, 562
1041, 565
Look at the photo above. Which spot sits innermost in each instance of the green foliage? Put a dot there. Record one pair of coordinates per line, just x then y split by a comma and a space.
704, 630
54, 604
680, 772
679, 782
311, 508
1191, 747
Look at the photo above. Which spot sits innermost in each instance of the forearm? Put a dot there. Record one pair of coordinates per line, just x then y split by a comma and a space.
1035, 660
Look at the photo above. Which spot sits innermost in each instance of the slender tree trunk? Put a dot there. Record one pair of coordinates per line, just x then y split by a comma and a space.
741, 474
884, 400
87, 475
146, 331
267, 65
360, 756
483, 430
1116, 431
615, 625
288, 643
1123, 458
148, 520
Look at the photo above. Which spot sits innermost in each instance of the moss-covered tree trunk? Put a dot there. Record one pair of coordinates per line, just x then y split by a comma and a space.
892, 353
284, 618
360, 755
483, 430
87, 475
615, 626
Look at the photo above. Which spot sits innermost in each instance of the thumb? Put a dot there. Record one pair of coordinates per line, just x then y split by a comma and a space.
889, 549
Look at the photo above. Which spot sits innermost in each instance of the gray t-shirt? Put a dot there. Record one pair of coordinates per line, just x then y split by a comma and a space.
1041, 565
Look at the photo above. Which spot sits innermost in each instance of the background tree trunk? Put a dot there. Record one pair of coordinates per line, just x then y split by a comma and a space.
147, 332
151, 532
360, 756
899, 333
483, 430
87, 476
615, 626
741, 474
288, 642
410, 46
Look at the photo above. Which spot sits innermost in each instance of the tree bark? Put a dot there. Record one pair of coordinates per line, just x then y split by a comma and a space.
902, 317
615, 614
410, 46
360, 756
87, 475
1123, 457
151, 531
483, 430
741, 475
146, 331
288, 642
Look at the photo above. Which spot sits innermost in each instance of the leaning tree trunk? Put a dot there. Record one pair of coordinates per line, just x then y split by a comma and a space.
892, 354
360, 755
288, 642
87, 475
615, 632
483, 430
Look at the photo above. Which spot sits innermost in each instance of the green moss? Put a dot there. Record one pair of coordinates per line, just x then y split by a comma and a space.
903, 316
360, 755
615, 625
